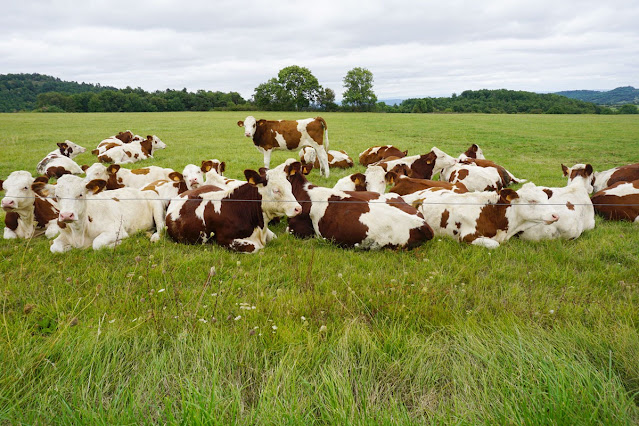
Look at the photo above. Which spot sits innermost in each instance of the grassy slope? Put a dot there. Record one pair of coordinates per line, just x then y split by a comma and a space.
528, 333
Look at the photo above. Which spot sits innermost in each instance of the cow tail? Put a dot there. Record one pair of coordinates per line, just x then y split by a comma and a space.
323, 122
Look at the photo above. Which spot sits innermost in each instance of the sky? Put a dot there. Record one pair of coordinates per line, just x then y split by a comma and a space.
413, 48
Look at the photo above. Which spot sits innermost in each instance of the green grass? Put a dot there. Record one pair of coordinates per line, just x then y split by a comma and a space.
530, 333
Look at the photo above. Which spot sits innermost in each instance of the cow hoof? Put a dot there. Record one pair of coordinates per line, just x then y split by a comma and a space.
155, 237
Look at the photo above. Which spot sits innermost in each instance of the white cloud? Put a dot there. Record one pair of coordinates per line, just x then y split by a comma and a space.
413, 48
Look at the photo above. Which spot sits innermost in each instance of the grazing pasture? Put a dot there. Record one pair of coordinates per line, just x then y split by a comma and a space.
304, 331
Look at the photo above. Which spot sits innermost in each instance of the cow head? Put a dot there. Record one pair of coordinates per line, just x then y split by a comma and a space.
530, 206
474, 151
442, 160
18, 193
276, 191
307, 155
580, 171
250, 126
96, 171
70, 149
156, 142
193, 176
213, 165
376, 179
71, 193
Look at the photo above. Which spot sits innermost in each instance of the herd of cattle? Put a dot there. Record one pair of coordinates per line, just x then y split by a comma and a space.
470, 202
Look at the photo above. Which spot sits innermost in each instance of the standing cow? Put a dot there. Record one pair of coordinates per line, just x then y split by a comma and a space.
268, 135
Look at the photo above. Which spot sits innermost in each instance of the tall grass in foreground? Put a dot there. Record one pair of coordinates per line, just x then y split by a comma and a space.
304, 332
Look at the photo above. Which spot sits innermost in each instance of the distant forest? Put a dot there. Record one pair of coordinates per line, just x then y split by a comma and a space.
618, 96
41, 93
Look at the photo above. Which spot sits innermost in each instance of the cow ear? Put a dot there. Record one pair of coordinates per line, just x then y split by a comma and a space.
263, 170
62, 145
95, 152
306, 169
207, 165
358, 179
474, 147
293, 168
589, 170
240, 123
221, 168
254, 178
390, 178
113, 169
44, 179
96, 185
43, 189
564, 169
405, 153
84, 167
1, 183
176, 176
508, 194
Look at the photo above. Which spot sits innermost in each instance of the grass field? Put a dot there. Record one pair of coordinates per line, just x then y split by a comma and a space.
305, 332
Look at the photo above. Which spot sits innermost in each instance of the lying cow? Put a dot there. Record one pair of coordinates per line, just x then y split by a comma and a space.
27, 214
132, 152
620, 201
91, 217
479, 175
59, 162
336, 159
403, 185
601, 180
373, 179
484, 218
116, 140
420, 166
574, 207
234, 218
367, 220
375, 154
214, 170
119, 177
269, 135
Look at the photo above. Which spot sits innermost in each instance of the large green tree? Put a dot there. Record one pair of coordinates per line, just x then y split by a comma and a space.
359, 93
294, 88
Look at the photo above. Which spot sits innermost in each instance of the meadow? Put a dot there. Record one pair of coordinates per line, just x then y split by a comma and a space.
306, 332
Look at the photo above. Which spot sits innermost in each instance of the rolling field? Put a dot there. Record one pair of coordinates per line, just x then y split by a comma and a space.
305, 332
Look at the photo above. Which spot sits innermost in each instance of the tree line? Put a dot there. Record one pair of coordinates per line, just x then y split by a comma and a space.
294, 88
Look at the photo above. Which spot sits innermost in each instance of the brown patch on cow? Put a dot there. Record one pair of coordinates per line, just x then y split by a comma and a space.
462, 174
471, 152
125, 137
301, 225
492, 218
144, 171
490, 188
457, 225
548, 192
627, 173
570, 205
383, 153
62, 225
136, 156
117, 200
11, 220
407, 185
147, 146
443, 223
341, 223
585, 172
614, 207
423, 167
90, 219
43, 212
105, 159
57, 171
127, 153
453, 176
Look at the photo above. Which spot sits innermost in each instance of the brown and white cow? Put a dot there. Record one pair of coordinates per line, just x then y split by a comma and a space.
474, 151
132, 152
373, 179
120, 177
116, 140
366, 220
336, 159
270, 135
91, 217
234, 218
619, 201
484, 218
403, 185
375, 154
59, 162
601, 180
420, 166
27, 214
479, 175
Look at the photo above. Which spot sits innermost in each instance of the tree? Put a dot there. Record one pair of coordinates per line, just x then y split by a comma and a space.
326, 100
359, 90
628, 109
272, 96
301, 85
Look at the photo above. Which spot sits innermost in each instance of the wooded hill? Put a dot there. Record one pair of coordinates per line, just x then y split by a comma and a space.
618, 96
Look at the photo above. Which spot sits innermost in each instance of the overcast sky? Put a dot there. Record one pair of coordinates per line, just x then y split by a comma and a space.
413, 48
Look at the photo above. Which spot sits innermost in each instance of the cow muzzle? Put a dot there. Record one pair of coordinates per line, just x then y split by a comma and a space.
67, 217
8, 204
553, 218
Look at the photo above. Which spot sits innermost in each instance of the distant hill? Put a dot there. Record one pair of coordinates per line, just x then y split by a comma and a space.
19, 92
618, 96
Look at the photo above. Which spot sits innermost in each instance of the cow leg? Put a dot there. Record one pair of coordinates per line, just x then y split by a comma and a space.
245, 245
267, 158
52, 229
485, 242
109, 239
322, 157
9, 234
159, 218
60, 245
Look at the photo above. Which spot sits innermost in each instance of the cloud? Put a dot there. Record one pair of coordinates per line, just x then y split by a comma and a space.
413, 48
